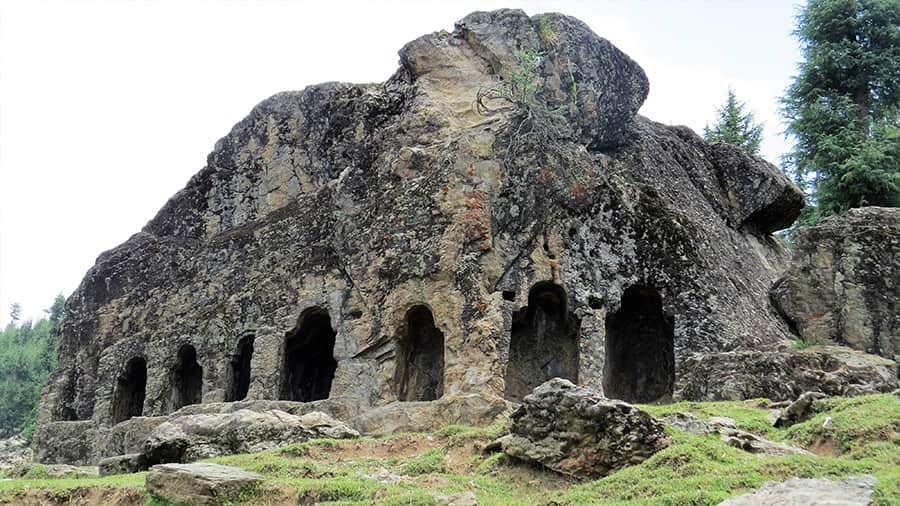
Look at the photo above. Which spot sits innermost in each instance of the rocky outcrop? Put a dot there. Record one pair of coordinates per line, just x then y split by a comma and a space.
785, 374
731, 435
200, 484
798, 411
493, 215
575, 431
843, 285
809, 492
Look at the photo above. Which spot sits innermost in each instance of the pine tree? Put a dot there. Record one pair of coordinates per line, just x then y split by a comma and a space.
844, 104
735, 126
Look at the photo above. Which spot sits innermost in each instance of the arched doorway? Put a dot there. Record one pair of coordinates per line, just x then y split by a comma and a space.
640, 348
543, 342
419, 374
309, 363
131, 386
187, 378
239, 383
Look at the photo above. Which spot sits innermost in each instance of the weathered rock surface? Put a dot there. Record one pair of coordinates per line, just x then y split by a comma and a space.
797, 411
33, 470
843, 285
193, 437
785, 374
809, 492
575, 431
200, 483
14, 451
380, 245
731, 435
123, 464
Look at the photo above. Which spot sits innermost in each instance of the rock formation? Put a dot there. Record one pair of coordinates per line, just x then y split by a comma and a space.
575, 431
843, 286
422, 251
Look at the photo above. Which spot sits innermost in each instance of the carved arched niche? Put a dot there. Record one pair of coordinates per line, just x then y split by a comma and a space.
186, 378
640, 349
239, 370
130, 390
309, 362
543, 341
419, 374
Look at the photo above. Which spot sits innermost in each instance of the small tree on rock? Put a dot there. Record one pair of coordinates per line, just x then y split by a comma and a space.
735, 125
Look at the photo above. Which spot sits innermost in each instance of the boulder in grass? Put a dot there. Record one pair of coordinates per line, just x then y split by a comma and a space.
200, 483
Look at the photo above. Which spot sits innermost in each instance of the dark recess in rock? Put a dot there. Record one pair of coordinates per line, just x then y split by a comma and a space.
640, 349
130, 390
420, 349
309, 362
543, 343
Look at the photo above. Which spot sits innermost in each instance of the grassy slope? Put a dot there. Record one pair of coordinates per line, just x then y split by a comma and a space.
862, 437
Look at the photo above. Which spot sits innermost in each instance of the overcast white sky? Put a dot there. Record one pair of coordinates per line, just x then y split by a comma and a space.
107, 108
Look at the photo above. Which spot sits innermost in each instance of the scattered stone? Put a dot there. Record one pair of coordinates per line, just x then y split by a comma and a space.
193, 437
687, 422
199, 483
722, 421
809, 492
730, 434
796, 412
35, 470
578, 432
460, 499
123, 464
842, 285
384, 475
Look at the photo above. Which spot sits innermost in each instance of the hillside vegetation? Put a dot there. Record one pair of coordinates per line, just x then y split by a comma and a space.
862, 437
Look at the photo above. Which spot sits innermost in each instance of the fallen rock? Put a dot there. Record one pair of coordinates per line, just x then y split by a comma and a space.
842, 285
193, 437
809, 492
797, 411
123, 464
785, 374
730, 434
578, 432
199, 483
14, 451
34, 470
460, 499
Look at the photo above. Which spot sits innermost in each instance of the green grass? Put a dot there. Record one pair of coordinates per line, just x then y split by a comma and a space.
693, 470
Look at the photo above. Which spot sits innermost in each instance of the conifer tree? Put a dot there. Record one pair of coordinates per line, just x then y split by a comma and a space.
844, 104
735, 126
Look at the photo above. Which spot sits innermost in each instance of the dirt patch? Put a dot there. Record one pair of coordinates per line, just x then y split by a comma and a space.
825, 447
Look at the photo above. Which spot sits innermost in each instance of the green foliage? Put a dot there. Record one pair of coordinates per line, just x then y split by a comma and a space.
27, 356
844, 104
735, 126
430, 462
693, 470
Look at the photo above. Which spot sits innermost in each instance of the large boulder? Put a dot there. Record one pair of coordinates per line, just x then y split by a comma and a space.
575, 431
193, 437
200, 483
843, 285
785, 374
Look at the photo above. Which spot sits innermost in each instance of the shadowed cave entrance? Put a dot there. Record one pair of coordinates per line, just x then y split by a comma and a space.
131, 386
420, 358
309, 363
187, 379
239, 384
640, 349
543, 343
